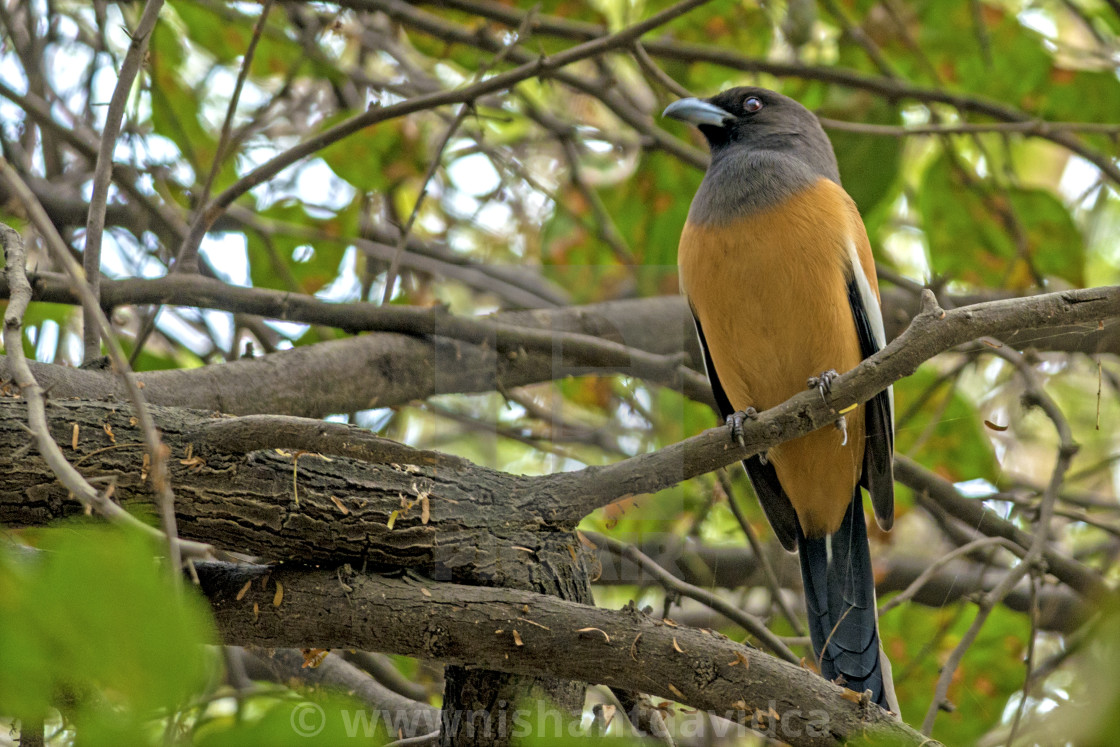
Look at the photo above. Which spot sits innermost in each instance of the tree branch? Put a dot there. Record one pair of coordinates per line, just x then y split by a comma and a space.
499, 82
103, 172
476, 626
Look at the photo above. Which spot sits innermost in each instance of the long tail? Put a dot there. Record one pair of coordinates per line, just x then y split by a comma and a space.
840, 596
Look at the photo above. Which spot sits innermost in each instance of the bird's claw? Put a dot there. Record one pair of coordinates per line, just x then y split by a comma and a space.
842, 426
736, 420
823, 383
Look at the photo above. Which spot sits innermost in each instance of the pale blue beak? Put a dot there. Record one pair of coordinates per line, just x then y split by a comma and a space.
696, 112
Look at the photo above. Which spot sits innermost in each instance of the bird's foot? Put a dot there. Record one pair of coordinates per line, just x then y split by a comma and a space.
736, 420
823, 383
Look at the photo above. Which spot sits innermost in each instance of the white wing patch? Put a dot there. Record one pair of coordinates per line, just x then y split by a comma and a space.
871, 308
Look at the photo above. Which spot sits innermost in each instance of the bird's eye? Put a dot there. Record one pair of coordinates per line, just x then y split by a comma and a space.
752, 104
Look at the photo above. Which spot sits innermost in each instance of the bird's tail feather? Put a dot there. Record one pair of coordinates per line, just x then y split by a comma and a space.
840, 596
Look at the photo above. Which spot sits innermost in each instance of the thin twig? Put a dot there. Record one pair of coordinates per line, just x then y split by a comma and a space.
759, 553
1033, 128
916, 585
540, 67
1066, 451
1029, 675
887, 88
740, 617
103, 172
457, 120
231, 108
652, 70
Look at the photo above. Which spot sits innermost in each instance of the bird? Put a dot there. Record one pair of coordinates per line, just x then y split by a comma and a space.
776, 265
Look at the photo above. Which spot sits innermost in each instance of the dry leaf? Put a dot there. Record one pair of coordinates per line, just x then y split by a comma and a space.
740, 659
994, 427
669, 622
527, 620
739, 705
256, 610
313, 657
425, 509
675, 691
425, 592
194, 463
139, 384
244, 590
278, 597
392, 519
74, 438
581, 631
850, 695
109, 432
133, 421
517, 639
338, 504
676, 646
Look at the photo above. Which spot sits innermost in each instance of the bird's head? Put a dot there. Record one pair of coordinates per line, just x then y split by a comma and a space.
752, 118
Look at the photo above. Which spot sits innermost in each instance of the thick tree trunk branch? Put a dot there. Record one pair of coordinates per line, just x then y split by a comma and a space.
385, 369
533, 634
403, 514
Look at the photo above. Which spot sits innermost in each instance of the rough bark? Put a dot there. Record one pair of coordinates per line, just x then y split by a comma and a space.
533, 634
382, 369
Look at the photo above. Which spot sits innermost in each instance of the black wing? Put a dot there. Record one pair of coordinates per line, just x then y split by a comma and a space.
878, 454
775, 503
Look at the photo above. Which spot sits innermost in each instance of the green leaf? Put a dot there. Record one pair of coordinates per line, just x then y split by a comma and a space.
974, 231
945, 434
226, 34
374, 158
175, 116
92, 610
325, 721
919, 639
284, 261
869, 165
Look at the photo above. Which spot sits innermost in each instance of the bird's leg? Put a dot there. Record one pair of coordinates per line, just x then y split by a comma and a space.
736, 420
823, 384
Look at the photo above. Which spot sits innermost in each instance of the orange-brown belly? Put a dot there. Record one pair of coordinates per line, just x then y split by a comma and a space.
770, 291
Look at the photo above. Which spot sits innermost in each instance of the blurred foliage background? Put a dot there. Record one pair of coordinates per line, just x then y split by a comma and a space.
979, 138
